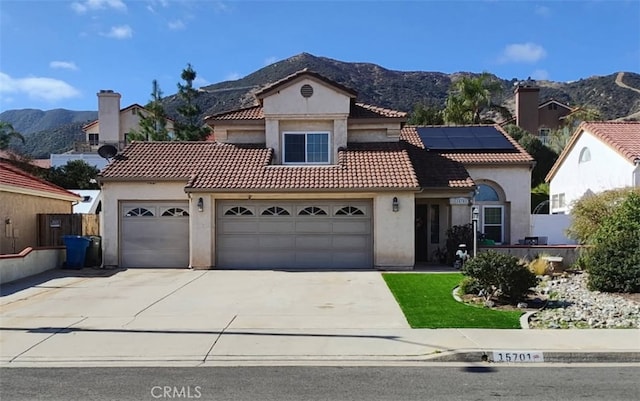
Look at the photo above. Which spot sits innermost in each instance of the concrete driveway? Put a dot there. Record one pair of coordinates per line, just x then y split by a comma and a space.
165, 313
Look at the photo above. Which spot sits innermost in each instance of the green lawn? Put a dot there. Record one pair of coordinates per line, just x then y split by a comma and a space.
427, 302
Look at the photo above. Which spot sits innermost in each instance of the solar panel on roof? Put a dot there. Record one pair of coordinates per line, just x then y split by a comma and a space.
464, 138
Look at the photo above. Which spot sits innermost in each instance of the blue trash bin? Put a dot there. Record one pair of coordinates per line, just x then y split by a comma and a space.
76, 250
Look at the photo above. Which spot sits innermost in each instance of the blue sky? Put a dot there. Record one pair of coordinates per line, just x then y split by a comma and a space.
59, 54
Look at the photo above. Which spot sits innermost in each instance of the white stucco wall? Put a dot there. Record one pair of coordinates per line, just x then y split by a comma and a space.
515, 182
607, 169
114, 193
92, 159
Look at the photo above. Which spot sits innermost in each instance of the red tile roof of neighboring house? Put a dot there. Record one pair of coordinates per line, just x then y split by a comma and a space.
519, 156
358, 110
212, 165
13, 177
621, 136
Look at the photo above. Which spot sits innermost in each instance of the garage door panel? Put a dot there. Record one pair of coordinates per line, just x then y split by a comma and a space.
153, 240
329, 234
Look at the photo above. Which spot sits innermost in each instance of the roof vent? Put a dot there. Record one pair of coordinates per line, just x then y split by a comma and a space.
306, 90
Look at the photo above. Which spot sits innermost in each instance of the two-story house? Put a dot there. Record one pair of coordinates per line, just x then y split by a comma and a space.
311, 178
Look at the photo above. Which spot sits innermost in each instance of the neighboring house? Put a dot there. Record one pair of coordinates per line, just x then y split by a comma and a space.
598, 157
90, 203
22, 197
537, 118
309, 178
111, 128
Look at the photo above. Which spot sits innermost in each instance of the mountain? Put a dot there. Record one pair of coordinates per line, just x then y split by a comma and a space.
375, 85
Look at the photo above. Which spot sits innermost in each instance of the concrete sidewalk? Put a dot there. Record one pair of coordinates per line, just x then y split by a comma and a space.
194, 318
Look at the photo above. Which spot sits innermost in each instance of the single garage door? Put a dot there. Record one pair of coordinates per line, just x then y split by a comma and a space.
154, 234
294, 234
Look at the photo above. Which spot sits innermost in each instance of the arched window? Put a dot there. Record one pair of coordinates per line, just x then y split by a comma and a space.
486, 194
175, 211
312, 211
349, 211
275, 211
238, 211
585, 155
139, 212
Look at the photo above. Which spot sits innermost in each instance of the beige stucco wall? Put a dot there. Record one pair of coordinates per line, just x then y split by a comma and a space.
289, 102
515, 182
22, 210
114, 193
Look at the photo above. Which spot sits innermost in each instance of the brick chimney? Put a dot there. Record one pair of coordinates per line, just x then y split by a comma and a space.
109, 116
527, 102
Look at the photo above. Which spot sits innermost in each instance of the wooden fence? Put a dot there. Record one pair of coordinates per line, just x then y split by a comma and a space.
52, 227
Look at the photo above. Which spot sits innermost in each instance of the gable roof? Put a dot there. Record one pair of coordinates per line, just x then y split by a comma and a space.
227, 167
518, 156
305, 73
94, 122
358, 110
621, 136
13, 179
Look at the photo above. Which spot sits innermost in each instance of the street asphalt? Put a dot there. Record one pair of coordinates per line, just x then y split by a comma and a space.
169, 317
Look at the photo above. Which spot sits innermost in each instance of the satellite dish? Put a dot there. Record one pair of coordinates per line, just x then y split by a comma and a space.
107, 151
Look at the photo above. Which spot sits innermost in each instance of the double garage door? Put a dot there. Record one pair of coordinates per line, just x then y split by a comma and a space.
294, 234
154, 234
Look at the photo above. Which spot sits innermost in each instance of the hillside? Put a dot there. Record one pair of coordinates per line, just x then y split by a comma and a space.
375, 85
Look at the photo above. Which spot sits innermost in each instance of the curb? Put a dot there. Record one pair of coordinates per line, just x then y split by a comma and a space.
551, 356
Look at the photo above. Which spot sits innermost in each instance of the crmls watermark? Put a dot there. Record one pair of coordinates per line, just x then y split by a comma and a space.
176, 392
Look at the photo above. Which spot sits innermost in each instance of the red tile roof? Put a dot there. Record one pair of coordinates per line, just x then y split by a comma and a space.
212, 165
621, 136
12, 177
519, 156
358, 110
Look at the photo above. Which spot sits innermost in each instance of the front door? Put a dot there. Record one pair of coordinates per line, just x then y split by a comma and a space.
427, 232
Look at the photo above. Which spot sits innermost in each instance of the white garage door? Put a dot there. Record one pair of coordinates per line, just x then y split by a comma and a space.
154, 234
294, 234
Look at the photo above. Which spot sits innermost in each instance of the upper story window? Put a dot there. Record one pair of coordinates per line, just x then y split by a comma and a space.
306, 147
585, 155
94, 139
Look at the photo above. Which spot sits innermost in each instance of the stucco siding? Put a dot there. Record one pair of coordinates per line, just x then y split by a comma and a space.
515, 182
324, 101
607, 169
22, 211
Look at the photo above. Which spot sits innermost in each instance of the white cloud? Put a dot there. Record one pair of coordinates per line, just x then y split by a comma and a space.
233, 76
540, 75
177, 25
65, 65
119, 32
82, 7
270, 60
221, 7
543, 11
40, 88
522, 53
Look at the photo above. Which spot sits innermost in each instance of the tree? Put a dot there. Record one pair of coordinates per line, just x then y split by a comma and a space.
470, 98
7, 133
543, 155
76, 174
153, 120
190, 129
558, 138
426, 115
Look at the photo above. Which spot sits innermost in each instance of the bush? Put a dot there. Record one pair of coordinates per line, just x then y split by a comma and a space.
539, 266
613, 260
469, 285
590, 211
501, 275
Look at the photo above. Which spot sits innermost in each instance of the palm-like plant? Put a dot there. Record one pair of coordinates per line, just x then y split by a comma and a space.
470, 97
7, 133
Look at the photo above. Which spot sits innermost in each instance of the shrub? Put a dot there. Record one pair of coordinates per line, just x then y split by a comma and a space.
590, 211
501, 275
469, 285
613, 260
539, 266
457, 235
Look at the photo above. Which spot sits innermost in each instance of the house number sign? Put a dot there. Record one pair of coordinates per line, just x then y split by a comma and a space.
518, 356
458, 201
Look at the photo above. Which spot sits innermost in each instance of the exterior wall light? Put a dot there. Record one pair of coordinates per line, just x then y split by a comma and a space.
395, 205
200, 204
475, 216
